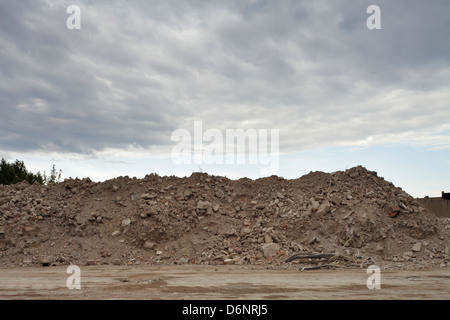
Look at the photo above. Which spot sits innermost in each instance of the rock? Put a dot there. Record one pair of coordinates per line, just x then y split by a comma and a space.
379, 248
245, 231
324, 208
149, 245
152, 211
126, 222
392, 210
312, 240
268, 238
183, 260
417, 247
4, 200
187, 194
314, 205
134, 196
29, 229
203, 205
260, 206
336, 200
179, 194
354, 174
270, 249
148, 196
115, 233
81, 219
46, 260
280, 195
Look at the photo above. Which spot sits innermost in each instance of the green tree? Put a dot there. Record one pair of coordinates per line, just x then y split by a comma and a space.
11, 173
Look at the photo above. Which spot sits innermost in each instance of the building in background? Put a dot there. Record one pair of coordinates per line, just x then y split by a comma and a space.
438, 205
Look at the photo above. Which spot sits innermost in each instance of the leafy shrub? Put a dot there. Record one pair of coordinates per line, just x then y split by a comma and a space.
15, 172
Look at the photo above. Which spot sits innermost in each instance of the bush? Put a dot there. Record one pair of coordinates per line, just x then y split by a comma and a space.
54, 178
11, 173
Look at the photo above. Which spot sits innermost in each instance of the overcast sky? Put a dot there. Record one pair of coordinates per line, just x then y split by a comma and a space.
103, 101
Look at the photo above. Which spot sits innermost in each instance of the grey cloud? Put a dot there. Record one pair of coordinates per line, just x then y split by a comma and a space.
138, 70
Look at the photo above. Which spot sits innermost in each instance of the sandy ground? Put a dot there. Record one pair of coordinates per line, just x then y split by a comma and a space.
219, 283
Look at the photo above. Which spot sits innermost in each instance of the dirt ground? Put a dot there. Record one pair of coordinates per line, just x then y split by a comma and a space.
193, 282
209, 237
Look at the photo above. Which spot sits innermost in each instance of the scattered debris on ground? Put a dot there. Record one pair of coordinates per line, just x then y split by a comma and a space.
211, 220
327, 260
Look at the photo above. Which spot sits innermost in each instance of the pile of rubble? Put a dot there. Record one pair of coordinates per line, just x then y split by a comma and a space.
204, 219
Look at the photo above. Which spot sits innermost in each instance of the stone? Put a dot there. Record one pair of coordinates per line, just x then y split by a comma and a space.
270, 249
148, 196
29, 229
151, 212
187, 194
314, 205
312, 240
46, 260
183, 260
115, 233
81, 219
336, 200
260, 206
134, 196
126, 222
203, 205
354, 174
268, 238
379, 248
392, 210
4, 200
179, 194
323, 208
149, 245
417, 247
245, 231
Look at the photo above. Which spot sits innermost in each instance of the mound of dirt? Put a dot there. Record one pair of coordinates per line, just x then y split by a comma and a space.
204, 219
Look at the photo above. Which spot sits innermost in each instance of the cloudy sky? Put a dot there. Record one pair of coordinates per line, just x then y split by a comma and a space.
103, 101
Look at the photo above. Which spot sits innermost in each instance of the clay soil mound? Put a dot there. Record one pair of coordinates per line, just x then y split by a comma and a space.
204, 219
